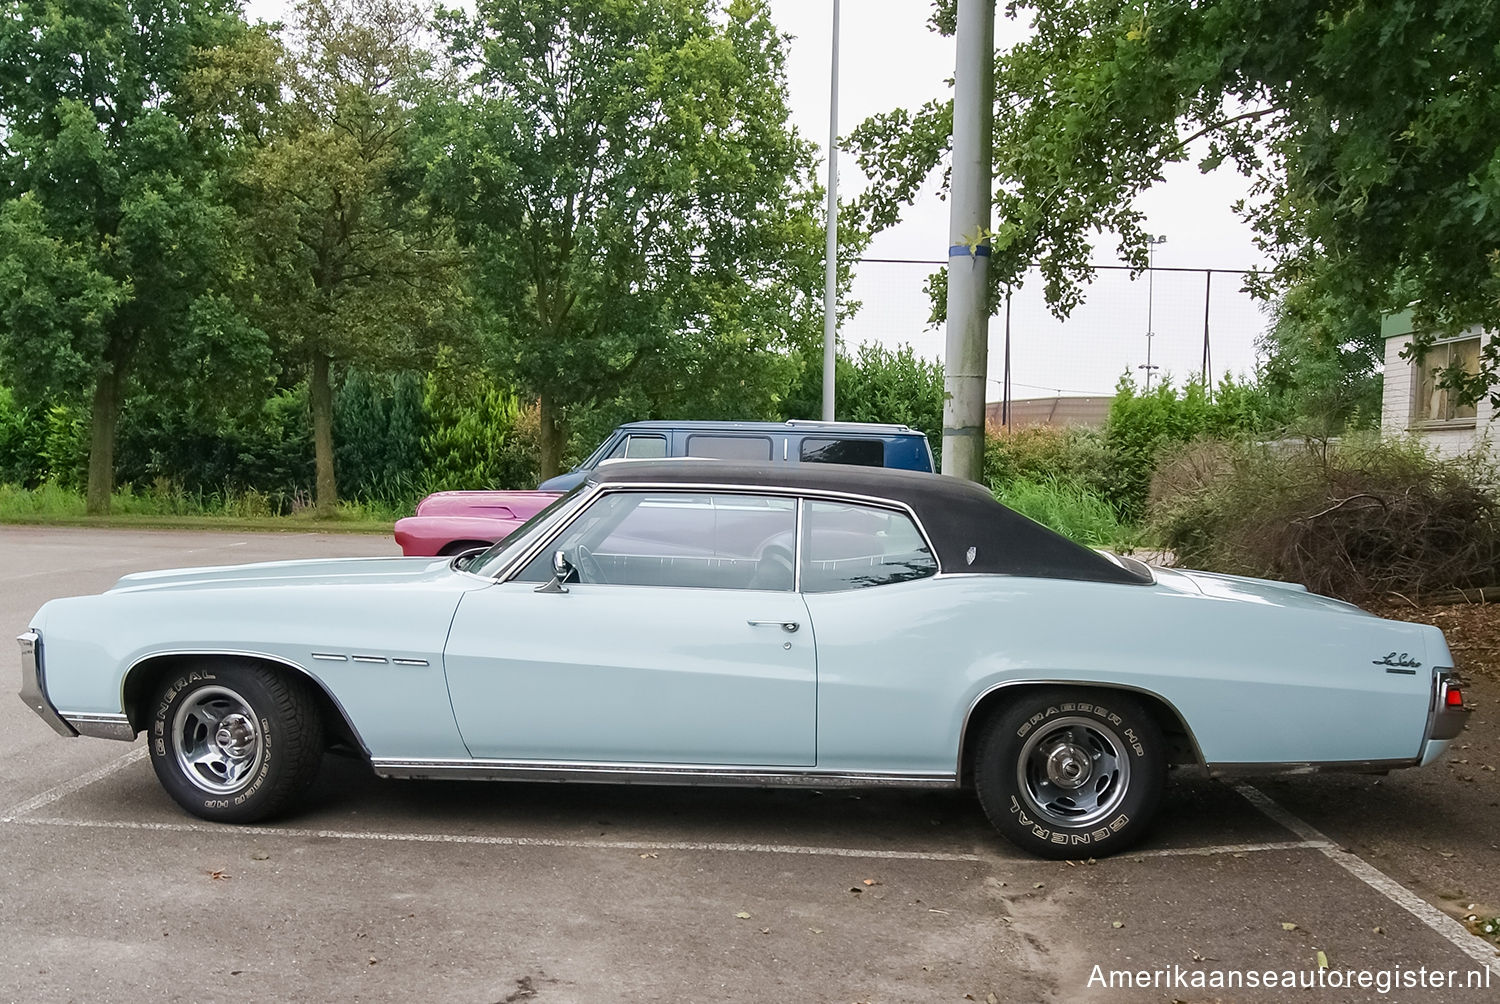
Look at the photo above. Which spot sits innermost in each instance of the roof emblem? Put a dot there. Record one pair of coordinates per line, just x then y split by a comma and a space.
971, 554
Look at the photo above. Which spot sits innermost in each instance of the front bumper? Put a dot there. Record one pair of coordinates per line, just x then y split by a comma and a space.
33, 692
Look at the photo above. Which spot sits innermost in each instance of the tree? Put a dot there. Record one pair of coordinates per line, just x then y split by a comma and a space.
350, 267
116, 240
877, 384
1370, 130
636, 204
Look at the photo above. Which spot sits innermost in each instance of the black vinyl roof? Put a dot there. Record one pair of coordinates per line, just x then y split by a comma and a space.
957, 514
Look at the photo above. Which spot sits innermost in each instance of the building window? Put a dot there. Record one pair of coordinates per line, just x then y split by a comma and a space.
1434, 402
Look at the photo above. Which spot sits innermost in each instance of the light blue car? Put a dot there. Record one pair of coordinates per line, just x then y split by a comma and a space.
702, 622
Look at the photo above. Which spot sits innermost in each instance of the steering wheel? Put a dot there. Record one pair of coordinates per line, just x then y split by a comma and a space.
589, 569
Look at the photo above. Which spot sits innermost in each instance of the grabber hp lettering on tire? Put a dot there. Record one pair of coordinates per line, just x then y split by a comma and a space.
234, 742
1067, 773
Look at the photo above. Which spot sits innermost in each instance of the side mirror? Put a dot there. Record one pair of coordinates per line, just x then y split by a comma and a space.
562, 568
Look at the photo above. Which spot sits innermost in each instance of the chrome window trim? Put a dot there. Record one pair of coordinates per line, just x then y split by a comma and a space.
508, 573
246, 654
651, 773
963, 730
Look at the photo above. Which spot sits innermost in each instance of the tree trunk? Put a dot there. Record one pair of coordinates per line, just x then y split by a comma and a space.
552, 436
102, 425
320, 396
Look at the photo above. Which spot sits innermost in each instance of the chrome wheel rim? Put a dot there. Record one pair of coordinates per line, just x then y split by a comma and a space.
1074, 771
217, 740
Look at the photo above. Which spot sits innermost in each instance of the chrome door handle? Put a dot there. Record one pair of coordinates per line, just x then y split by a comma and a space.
787, 626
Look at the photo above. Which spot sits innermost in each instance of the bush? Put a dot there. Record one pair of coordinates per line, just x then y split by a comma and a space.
1073, 456
1072, 510
1357, 519
1142, 425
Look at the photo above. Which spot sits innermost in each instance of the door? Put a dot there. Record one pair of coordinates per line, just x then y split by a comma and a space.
679, 640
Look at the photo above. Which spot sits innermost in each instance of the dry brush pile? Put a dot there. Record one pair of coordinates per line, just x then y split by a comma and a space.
1357, 519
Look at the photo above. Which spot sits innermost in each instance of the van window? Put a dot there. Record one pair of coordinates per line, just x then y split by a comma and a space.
730, 447
858, 452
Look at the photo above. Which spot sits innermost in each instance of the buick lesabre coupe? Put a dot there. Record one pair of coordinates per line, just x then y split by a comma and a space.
698, 622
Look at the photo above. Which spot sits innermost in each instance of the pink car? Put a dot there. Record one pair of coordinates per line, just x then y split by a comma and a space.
450, 522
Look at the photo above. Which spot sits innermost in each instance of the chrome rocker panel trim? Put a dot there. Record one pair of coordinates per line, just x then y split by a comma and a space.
101, 726
663, 774
1322, 767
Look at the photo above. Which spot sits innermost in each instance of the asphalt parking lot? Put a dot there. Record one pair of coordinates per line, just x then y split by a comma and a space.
387, 890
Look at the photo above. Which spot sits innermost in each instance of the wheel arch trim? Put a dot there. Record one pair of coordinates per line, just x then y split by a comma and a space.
149, 658
984, 695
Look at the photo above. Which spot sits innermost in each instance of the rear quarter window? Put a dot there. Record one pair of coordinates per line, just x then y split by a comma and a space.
856, 452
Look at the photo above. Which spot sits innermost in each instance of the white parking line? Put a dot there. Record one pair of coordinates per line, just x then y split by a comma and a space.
1471, 945
629, 845
68, 787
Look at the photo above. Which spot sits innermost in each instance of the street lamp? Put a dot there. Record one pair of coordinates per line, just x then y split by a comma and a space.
1151, 245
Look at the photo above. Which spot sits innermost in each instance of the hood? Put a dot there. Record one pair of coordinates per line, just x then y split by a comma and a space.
331, 571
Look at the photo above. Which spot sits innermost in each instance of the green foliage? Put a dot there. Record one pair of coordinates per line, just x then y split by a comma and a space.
1075, 456
1068, 507
478, 435
1370, 130
1357, 519
1142, 424
1322, 355
378, 423
876, 385
116, 233
21, 442
636, 204
350, 268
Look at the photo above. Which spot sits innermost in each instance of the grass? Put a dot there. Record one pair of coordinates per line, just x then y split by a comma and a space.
167, 507
1075, 512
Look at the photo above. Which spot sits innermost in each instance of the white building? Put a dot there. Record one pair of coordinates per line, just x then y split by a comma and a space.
1413, 401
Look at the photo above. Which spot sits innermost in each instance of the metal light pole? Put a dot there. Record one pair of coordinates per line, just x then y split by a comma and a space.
966, 352
831, 262
1151, 245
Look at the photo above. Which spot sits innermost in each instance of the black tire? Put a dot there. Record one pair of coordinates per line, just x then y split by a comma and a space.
1067, 773
234, 742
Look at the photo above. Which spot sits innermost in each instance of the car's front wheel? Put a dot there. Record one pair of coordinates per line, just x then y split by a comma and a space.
234, 742
1071, 773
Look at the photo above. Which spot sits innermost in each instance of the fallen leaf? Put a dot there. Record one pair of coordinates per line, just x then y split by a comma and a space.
816, 930
935, 910
991, 999
650, 854
871, 882
374, 960
765, 930
1322, 960
218, 875
1379, 930
742, 915
259, 855
1117, 924
1039, 885
1446, 854
1288, 926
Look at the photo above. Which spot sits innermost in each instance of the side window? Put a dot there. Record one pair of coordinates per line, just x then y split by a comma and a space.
730, 447
638, 447
848, 546
684, 539
859, 452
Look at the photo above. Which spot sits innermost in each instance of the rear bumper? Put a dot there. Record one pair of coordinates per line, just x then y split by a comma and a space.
1445, 721
33, 690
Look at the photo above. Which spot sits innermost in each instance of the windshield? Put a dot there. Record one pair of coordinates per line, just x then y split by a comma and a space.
499, 555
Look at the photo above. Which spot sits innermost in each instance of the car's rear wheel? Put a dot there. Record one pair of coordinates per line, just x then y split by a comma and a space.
1071, 773
234, 742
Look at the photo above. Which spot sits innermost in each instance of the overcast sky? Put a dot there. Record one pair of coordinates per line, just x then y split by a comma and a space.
889, 58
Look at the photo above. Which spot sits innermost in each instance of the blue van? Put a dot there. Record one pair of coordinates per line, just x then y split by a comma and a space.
861, 444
